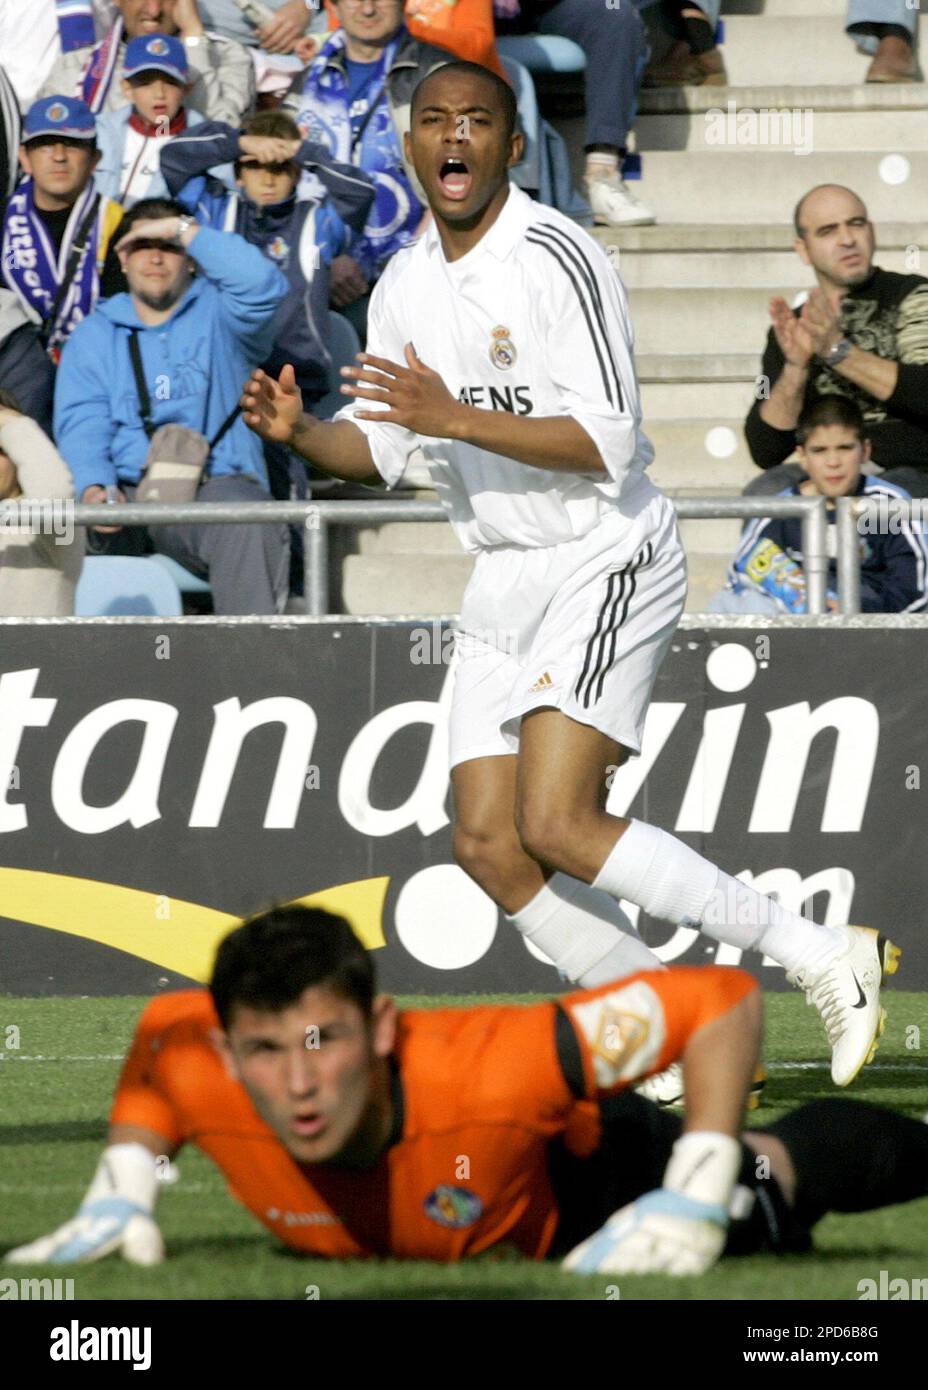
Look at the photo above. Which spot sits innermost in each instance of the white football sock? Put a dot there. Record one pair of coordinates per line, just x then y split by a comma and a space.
675, 884
600, 165
584, 932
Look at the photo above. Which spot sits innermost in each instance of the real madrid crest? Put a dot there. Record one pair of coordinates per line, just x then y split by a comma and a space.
502, 349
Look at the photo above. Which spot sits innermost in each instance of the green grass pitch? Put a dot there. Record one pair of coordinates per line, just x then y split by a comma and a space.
56, 1091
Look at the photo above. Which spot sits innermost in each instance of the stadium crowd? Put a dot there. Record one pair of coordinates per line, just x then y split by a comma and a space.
195, 188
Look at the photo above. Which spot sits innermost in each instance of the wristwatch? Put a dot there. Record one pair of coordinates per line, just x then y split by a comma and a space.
183, 225
835, 355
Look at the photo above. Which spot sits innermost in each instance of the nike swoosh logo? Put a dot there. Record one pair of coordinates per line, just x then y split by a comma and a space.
861, 997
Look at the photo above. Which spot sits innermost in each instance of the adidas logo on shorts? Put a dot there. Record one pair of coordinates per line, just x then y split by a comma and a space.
543, 683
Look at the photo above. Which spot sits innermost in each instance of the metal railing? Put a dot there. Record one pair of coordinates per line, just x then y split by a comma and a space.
890, 513
317, 516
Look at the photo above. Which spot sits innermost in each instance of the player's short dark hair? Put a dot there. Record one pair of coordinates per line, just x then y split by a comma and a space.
148, 209
268, 961
505, 94
831, 410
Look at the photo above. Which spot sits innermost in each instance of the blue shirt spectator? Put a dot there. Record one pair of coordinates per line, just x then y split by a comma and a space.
199, 314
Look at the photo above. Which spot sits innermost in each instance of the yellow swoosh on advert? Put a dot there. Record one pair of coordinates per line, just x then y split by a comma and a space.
177, 935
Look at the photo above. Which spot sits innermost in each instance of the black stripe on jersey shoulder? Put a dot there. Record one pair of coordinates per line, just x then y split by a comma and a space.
581, 260
600, 347
567, 1046
579, 257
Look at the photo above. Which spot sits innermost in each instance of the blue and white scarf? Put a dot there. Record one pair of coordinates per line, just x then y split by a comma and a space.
97, 77
75, 24
323, 116
33, 271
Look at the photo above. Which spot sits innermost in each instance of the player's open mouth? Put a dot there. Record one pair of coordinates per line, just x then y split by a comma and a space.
308, 1126
455, 178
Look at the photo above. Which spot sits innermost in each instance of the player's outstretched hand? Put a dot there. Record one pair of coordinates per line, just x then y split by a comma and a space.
106, 1226
272, 408
415, 395
664, 1232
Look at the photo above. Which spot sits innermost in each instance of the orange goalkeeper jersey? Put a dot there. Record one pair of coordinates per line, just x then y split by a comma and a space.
479, 1093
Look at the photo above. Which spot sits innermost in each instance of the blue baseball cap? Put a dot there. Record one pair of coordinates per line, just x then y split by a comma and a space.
67, 117
156, 53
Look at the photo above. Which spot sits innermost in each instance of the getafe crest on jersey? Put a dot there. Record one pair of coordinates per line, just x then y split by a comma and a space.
454, 1207
502, 349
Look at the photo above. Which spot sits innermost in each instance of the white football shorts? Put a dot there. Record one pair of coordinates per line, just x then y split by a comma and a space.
581, 627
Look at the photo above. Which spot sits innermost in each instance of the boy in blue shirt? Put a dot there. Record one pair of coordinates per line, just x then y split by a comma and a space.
766, 575
301, 236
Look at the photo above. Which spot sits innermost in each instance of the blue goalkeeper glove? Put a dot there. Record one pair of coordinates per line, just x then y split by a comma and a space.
115, 1216
663, 1232
680, 1228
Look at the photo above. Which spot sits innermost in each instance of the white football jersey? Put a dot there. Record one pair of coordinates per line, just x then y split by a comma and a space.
533, 320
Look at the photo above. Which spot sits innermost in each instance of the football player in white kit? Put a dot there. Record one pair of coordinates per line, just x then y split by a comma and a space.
500, 345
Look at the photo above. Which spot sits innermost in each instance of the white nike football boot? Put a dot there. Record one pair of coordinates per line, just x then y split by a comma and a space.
847, 995
666, 1087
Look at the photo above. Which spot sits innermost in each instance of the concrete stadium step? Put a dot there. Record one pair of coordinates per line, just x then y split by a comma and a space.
706, 401
727, 188
753, 237
813, 48
684, 457
846, 97
420, 538
736, 126
710, 536
421, 584
767, 270
390, 589
702, 389
707, 574
691, 321
686, 367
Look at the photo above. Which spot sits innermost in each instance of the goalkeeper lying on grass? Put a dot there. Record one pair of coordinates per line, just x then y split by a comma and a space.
350, 1129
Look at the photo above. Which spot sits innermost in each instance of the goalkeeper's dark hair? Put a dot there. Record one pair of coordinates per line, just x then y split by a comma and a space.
505, 95
269, 961
831, 410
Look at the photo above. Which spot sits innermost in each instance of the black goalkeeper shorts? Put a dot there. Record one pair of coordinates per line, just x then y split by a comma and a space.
636, 1142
